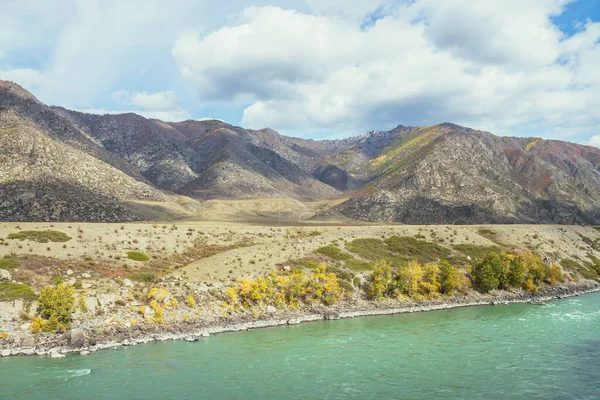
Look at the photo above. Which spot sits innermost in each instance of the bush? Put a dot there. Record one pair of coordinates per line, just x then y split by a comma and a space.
334, 253
415, 249
476, 252
137, 256
40, 236
9, 263
378, 284
486, 273
449, 277
370, 249
190, 301
358, 265
556, 275
56, 303
147, 277
10, 291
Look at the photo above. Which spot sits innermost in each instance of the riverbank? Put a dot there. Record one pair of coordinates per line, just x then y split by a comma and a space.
78, 341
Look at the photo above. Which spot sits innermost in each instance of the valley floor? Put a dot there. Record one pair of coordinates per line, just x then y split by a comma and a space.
202, 258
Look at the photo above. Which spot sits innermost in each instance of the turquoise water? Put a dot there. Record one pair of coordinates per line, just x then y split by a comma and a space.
495, 352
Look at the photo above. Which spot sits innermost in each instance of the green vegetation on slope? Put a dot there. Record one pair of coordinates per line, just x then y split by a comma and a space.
137, 256
40, 236
10, 291
9, 263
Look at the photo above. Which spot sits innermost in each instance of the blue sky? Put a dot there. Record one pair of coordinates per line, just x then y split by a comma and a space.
317, 68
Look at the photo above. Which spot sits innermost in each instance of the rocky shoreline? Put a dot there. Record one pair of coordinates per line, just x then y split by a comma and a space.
77, 341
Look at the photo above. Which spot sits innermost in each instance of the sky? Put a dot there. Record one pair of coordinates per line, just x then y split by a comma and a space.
317, 68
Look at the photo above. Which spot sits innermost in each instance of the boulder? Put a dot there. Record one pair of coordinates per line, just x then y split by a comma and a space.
127, 283
28, 341
55, 354
271, 310
148, 313
5, 275
72, 281
25, 327
69, 272
332, 315
86, 276
85, 353
76, 337
5, 352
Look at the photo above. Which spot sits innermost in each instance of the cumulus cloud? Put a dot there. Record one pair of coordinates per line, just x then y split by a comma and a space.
498, 66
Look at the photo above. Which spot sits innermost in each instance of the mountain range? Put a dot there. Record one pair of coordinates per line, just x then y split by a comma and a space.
62, 165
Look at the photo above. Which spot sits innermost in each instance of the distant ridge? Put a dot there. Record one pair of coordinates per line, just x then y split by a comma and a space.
60, 164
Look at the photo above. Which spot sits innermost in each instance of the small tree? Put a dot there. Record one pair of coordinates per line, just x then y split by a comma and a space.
56, 303
449, 277
485, 273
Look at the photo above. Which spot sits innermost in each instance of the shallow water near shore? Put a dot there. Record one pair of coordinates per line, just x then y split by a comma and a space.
511, 351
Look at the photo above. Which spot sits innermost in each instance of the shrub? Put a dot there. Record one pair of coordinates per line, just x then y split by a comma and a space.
370, 249
56, 303
9, 263
190, 301
147, 277
334, 253
415, 249
449, 277
10, 291
378, 284
40, 236
37, 325
82, 303
358, 265
556, 274
485, 273
476, 252
137, 256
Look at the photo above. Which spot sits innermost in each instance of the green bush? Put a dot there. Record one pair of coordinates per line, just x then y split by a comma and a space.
40, 236
476, 252
574, 266
137, 256
370, 249
13, 291
334, 253
9, 263
358, 265
415, 249
142, 276
449, 277
56, 303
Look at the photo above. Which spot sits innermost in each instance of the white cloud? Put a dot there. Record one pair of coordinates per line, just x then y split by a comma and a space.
497, 66
594, 141
154, 101
175, 115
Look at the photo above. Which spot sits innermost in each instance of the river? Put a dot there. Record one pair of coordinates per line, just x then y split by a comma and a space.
495, 352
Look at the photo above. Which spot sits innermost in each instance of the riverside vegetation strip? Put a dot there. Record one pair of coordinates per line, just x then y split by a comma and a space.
268, 273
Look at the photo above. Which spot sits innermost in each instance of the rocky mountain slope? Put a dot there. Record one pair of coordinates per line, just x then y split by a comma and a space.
452, 174
60, 164
51, 171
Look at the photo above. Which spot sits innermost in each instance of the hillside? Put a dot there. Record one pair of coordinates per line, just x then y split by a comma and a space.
451, 174
421, 175
50, 171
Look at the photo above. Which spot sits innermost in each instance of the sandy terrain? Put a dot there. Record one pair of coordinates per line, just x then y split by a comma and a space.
267, 246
